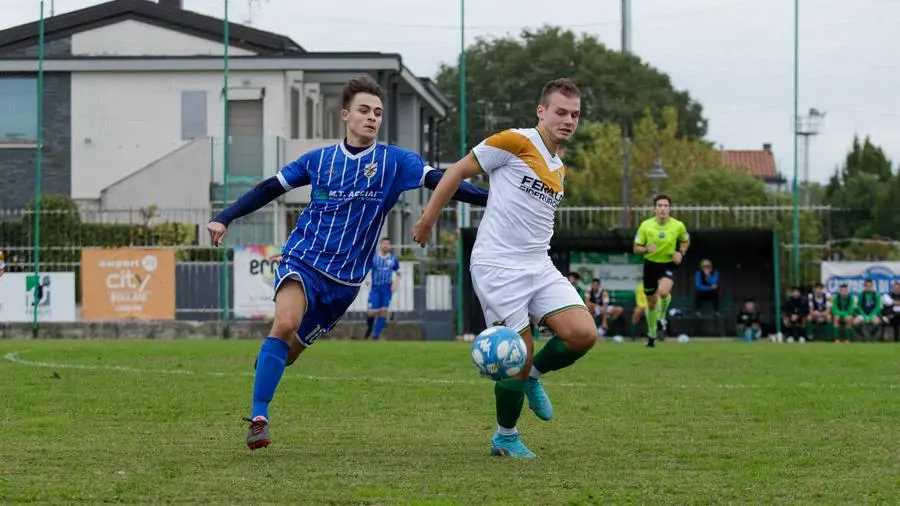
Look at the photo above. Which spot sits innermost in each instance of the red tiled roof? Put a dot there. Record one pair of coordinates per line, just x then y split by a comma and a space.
759, 163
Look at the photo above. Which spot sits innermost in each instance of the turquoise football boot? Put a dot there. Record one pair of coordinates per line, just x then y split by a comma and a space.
538, 400
510, 446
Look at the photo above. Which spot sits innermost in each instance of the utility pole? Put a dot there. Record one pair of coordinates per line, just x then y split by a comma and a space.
624, 220
808, 126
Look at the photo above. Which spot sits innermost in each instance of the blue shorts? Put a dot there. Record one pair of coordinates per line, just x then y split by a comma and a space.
326, 300
380, 297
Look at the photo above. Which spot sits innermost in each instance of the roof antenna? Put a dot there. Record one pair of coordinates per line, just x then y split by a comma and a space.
250, 10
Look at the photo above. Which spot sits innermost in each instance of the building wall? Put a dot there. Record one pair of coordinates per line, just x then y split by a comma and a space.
17, 165
122, 122
133, 38
177, 181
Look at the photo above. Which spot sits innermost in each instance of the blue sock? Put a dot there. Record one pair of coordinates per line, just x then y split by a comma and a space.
380, 322
270, 366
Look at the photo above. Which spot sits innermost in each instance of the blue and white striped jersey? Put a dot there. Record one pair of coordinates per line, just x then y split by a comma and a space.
351, 195
383, 269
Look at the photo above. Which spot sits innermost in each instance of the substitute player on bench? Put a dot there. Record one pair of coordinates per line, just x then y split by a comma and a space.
663, 241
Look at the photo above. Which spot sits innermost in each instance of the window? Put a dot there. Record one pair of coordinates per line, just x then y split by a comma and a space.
193, 115
331, 118
18, 110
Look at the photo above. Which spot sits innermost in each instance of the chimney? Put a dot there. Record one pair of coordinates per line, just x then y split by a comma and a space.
767, 147
176, 4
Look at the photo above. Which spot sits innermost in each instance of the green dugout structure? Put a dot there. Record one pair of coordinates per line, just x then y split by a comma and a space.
747, 261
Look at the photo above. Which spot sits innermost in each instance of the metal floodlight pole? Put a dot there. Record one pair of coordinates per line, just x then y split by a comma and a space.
658, 172
808, 126
37, 176
460, 207
226, 141
796, 243
626, 140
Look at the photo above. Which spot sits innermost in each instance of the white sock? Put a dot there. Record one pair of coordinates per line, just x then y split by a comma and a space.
534, 373
503, 431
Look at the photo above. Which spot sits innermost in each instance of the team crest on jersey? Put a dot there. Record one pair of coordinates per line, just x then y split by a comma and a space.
662, 235
370, 170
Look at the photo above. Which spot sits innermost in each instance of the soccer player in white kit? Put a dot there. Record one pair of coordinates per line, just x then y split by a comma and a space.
512, 273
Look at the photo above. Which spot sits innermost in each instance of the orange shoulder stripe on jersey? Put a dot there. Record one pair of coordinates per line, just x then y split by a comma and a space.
507, 140
532, 157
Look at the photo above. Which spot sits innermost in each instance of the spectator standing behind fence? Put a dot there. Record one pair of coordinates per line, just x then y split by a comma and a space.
2, 264
706, 281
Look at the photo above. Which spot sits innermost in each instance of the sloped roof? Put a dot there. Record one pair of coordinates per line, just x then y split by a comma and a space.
199, 25
758, 163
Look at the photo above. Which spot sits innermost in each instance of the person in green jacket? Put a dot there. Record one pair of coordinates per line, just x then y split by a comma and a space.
843, 310
868, 311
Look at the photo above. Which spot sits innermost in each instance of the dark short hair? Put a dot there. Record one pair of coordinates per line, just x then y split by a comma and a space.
659, 197
385, 238
595, 280
361, 84
869, 280
563, 85
575, 275
843, 285
819, 285
795, 288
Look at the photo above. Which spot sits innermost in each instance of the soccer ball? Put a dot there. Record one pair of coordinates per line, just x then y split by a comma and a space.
499, 353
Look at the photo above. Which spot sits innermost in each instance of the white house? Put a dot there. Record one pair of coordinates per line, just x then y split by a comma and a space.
133, 110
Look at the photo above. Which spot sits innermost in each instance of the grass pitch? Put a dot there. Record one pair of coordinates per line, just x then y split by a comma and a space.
410, 423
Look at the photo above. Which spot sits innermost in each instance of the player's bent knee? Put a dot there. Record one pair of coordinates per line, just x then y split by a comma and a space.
579, 332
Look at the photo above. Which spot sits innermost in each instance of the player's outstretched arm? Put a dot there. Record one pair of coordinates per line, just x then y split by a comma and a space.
448, 186
259, 196
468, 192
292, 175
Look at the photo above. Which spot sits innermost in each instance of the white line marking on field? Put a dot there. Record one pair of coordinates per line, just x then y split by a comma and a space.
15, 358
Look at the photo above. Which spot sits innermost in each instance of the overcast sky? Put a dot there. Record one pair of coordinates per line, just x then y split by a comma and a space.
734, 56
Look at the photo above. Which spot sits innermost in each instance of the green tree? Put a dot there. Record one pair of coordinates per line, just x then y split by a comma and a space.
866, 158
860, 191
720, 186
694, 168
504, 77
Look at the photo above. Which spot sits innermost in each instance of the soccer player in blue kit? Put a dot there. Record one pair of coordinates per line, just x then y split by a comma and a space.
384, 266
328, 254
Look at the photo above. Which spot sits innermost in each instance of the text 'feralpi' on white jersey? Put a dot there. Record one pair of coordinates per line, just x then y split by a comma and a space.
526, 188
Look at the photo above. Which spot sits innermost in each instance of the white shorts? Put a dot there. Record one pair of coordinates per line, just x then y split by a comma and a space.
509, 296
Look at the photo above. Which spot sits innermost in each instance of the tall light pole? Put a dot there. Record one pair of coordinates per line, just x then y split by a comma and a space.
657, 174
808, 126
226, 141
37, 177
461, 210
626, 139
796, 246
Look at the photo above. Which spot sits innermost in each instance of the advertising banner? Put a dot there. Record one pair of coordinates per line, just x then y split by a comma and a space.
254, 277
128, 284
854, 275
56, 292
618, 272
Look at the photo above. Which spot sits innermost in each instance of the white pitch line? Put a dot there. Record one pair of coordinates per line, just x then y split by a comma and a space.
15, 358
